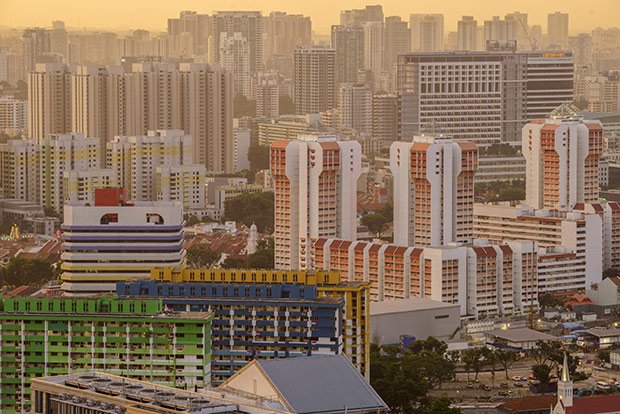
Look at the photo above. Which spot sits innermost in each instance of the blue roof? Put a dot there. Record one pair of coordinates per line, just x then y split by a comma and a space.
321, 383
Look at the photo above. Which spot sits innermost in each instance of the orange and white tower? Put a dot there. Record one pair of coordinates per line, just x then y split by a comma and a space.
433, 191
315, 180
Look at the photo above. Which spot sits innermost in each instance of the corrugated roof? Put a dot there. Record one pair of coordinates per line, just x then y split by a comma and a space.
521, 335
407, 305
321, 383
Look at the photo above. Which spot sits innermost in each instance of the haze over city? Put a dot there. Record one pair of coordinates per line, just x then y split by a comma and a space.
151, 14
244, 207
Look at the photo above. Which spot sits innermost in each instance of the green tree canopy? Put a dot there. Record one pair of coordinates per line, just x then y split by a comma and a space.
251, 208
376, 223
20, 271
198, 258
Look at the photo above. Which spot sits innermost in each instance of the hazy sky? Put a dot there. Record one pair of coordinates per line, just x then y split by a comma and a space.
152, 14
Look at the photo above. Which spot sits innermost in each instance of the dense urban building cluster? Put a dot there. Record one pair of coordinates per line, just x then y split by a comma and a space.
240, 214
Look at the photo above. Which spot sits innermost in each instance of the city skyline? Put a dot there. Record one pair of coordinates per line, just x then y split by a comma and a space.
14, 14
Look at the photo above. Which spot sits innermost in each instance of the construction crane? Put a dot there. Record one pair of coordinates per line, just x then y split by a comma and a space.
527, 34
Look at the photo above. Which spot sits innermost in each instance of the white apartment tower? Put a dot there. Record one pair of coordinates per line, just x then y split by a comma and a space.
433, 191
562, 160
315, 180
355, 107
426, 32
235, 58
466, 33
49, 100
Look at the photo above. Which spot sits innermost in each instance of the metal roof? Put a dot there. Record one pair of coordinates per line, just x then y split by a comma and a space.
321, 383
407, 305
522, 335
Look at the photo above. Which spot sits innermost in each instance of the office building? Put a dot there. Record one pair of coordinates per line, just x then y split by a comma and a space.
385, 125
135, 159
315, 179
138, 338
314, 83
557, 30
284, 32
467, 31
348, 43
433, 191
235, 58
426, 32
440, 92
61, 153
249, 26
483, 279
373, 47
355, 108
36, 44
19, 170
49, 100
562, 160
396, 41
80, 185
267, 95
13, 115
571, 243
113, 240
183, 183
353, 294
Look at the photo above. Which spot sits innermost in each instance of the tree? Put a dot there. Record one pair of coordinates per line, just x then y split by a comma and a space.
191, 220
258, 155
19, 271
547, 300
475, 358
542, 373
286, 105
506, 359
242, 106
262, 259
511, 194
198, 258
603, 355
233, 263
50, 212
257, 208
376, 223
439, 406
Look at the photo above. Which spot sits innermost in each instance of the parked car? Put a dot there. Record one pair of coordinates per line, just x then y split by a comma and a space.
518, 384
602, 385
504, 393
504, 385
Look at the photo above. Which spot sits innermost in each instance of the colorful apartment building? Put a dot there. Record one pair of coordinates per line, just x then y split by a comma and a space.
134, 337
354, 295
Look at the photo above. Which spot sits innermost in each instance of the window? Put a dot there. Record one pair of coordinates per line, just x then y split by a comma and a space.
109, 218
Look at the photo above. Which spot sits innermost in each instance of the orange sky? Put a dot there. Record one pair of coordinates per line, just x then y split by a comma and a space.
152, 14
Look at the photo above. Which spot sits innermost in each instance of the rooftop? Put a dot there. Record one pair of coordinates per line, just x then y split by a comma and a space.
522, 335
604, 333
407, 305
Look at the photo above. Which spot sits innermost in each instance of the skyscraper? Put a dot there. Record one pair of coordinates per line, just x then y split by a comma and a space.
348, 42
557, 30
267, 95
314, 86
355, 107
426, 32
315, 180
249, 24
467, 31
235, 58
562, 160
386, 119
198, 26
373, 47
284, 32
356, 17
500, 30
396, 40
433, 191
49, 100
36, 44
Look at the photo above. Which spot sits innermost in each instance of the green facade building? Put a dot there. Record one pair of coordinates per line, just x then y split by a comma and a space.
135, 338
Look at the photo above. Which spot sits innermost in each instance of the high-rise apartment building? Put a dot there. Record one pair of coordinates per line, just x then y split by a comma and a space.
396, 40
135, 159
498, 30
355, 108
373, 47
250, 26
19, 170
284, 32
60, 153
356, 17
198, 26
58, 38
348, 42
183, 183
80, 185
36, 43
136, 337
13, 115
267, 95
235, 58
49, 100
385, 126
557, 30
467, 31
433, 191
426, 32
483, 97
113, 240
523, 38
314, 84
315, 180
562, 160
